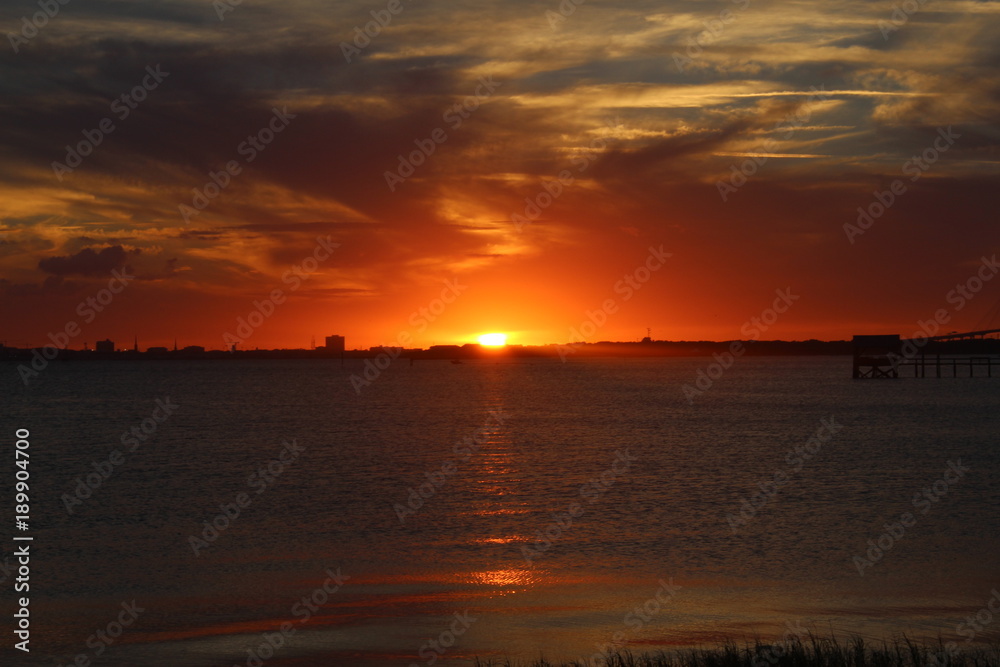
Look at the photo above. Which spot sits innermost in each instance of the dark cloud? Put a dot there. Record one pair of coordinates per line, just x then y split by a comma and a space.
86, 262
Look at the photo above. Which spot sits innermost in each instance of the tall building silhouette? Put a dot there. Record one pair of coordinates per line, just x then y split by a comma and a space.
335, 344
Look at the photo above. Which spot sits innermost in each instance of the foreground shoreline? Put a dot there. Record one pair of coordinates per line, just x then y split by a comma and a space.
812, 651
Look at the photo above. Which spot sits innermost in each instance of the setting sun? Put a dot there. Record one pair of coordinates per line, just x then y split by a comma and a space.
493, 339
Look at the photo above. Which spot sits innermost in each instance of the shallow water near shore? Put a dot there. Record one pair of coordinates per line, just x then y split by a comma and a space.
526, 508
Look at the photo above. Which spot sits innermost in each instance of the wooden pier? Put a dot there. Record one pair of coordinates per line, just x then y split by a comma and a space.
949, 366
876, 356
971, 354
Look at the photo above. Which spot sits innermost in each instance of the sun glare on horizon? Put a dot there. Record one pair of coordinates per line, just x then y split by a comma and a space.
493, 340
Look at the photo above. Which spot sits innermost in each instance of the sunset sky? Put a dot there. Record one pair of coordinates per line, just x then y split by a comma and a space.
648, 107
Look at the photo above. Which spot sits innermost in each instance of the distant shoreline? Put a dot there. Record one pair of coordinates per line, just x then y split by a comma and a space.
454, 352
471, 351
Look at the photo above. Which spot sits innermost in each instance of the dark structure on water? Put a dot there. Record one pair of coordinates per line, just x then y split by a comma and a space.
948, 355
876, 356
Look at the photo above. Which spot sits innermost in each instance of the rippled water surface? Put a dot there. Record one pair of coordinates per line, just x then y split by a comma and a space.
634, 486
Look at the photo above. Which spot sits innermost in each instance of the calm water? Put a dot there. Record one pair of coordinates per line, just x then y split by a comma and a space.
661, 517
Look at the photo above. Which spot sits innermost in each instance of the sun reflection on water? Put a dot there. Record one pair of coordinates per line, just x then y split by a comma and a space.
507, 581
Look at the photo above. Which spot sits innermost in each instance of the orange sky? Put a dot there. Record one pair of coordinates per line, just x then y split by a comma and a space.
644, 110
